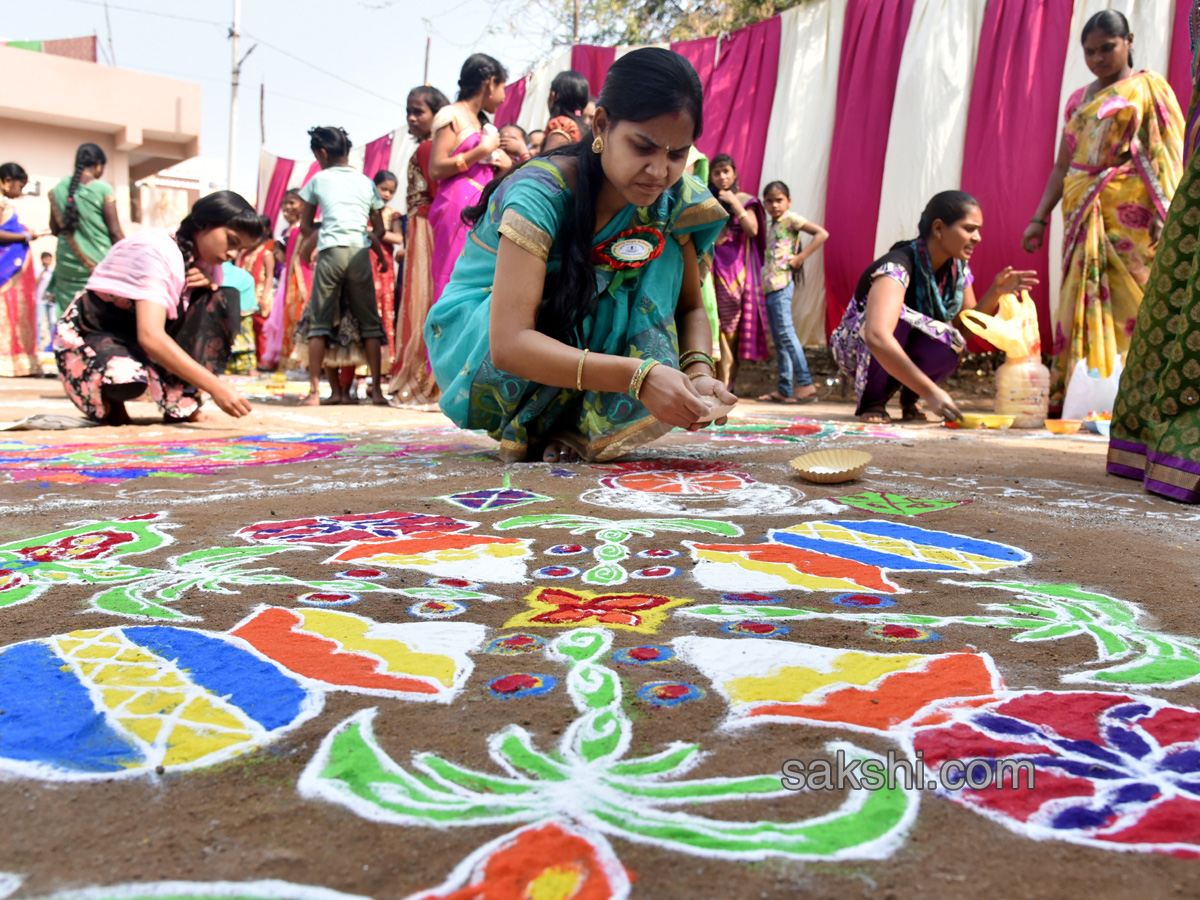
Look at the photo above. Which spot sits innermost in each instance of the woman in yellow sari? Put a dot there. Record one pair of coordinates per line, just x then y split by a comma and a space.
1117, 169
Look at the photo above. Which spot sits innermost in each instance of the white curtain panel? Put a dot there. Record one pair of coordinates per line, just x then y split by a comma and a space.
622, 49
534, 113
929, 115
801, 134
266, 168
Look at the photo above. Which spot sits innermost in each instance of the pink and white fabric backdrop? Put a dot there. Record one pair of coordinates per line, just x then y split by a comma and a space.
872, 44
738, 99
1012, 133
866, 108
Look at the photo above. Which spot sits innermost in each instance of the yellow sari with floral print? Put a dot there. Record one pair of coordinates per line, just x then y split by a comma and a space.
1126, 146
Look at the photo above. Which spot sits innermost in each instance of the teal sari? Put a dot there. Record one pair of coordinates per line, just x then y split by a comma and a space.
639, 272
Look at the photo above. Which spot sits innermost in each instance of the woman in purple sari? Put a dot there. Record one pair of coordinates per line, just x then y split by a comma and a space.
737, 272
466, 156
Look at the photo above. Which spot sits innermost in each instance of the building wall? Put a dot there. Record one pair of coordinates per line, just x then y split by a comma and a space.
145, 123
48, 154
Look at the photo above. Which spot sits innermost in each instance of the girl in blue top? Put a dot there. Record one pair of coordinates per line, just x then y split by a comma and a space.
573, 323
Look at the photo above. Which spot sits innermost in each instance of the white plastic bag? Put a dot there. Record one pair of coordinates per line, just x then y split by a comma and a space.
1090, 393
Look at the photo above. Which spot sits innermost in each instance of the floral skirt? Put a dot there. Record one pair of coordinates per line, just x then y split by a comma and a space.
96, 347
934, 346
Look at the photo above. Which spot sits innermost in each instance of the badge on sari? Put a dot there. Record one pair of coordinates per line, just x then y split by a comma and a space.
631, 249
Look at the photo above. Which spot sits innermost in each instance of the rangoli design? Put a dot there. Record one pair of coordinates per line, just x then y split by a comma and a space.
504, 497
610, 793
84, 555
674, 487
792, 431
612, 535
112, 463
643, 613
898, 504
104, 703
850, 556
1115, 769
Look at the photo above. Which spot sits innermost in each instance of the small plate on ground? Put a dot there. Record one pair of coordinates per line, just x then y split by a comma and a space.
831, 466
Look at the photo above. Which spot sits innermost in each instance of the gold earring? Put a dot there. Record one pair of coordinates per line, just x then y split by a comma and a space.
598, 145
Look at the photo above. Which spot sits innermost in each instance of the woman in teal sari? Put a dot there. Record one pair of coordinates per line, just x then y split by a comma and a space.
573, 323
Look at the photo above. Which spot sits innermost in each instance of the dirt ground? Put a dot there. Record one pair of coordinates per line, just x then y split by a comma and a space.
383, 739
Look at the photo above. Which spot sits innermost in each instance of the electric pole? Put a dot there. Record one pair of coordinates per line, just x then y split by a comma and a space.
235, 36
575, 33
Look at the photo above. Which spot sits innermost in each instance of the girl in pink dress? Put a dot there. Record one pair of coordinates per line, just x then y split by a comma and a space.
466, 156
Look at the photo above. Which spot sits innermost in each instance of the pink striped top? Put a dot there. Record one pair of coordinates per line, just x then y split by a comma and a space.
147, 266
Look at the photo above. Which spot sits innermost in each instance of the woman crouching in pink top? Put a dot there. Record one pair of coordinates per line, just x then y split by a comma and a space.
154, 317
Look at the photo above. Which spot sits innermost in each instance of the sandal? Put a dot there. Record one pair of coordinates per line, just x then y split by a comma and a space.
814, 397
875, 415
776, 397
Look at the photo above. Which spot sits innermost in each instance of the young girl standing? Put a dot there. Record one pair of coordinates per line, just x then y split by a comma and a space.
737, 272
154, 317
573, 323
391, 240
785, 262
464, 159
412, 382
343, 274
277, 332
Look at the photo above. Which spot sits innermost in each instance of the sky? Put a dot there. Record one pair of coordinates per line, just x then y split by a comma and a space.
372, 53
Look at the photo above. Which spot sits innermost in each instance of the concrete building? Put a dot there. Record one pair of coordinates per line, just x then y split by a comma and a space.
145, 123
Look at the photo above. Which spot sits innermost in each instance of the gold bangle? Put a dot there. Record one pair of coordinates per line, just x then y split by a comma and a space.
696, 375
460, 163
639, 377
694, 356
579, 372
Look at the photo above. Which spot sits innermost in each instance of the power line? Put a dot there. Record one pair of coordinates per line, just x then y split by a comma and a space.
152, 12
271, 92
225, 25
324, 72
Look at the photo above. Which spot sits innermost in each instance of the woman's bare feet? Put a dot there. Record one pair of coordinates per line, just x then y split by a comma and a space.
875, 415
557, 451
378, 399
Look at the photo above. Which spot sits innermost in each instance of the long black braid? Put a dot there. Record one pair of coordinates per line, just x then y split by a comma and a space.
86, 156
